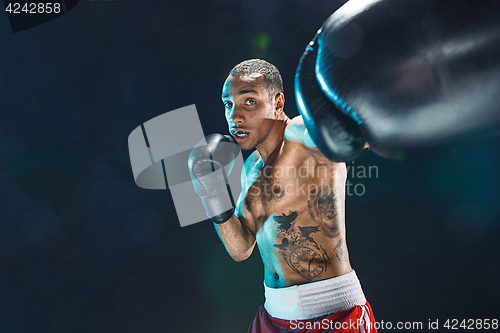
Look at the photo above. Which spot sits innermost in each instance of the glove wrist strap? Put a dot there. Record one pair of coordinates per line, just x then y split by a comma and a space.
219, 209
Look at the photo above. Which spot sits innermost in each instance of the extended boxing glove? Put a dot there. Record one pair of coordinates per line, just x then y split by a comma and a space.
405, 74
209, 164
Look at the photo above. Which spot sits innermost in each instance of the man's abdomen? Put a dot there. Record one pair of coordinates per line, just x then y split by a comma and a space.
295, 250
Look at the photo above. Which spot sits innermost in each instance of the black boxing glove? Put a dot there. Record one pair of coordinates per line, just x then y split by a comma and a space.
408, 73
336, 135
206, 166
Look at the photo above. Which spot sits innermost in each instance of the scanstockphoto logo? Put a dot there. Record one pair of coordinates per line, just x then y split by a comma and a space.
159, 151
303, 180
356, 175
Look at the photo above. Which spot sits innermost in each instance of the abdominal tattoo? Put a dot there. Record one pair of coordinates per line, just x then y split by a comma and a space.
322, 210
300, 251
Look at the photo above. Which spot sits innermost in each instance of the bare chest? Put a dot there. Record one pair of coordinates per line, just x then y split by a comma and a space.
280, 185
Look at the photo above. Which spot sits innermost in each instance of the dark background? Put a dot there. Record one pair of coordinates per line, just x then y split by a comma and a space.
83, 249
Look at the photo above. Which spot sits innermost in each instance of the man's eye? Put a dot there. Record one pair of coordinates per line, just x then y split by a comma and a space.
228, 105
250, 102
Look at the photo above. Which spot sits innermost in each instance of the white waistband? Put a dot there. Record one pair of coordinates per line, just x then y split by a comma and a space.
309, 300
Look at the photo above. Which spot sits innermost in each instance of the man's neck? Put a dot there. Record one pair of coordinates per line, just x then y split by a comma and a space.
274, 140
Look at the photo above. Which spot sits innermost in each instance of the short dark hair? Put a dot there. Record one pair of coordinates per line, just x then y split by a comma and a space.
271, 74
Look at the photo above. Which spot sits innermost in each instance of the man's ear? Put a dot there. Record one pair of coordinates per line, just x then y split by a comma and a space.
279, 103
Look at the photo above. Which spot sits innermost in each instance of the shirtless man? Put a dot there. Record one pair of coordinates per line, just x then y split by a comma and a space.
291, 206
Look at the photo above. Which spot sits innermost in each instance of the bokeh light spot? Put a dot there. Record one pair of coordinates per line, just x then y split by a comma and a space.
260, 44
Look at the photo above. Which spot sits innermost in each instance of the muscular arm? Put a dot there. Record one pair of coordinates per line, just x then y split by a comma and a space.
237, 239
238, 233
297, 131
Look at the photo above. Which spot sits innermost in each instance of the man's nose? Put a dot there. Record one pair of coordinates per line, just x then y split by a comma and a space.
238, 116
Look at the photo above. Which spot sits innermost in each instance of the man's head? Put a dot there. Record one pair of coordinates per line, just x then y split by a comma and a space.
253, 99
272, 77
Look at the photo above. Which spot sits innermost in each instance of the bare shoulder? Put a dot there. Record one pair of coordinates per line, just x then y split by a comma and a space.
252, 161
296, 120
296, 131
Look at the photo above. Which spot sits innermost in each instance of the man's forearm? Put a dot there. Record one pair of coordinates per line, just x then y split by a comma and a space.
238, 241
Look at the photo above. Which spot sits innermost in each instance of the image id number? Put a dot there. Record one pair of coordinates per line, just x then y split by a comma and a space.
33, 8
471, 324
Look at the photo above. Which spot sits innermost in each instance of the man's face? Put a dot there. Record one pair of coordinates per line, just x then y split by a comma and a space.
250, 111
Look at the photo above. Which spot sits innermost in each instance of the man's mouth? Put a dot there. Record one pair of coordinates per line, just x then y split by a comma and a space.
240, 134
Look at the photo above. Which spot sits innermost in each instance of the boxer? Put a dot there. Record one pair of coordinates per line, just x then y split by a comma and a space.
292, 206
